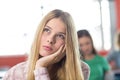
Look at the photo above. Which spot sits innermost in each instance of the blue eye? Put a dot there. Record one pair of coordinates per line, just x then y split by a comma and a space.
46, 30
61, 36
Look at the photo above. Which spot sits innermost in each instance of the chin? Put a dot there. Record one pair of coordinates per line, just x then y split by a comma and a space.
44, 54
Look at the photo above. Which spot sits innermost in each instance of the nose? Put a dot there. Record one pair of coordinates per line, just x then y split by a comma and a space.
51, 39
84, 47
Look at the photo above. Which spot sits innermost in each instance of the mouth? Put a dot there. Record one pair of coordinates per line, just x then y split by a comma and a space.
47, 48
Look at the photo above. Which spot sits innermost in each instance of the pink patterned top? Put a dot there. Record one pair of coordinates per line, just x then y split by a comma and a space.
19, 72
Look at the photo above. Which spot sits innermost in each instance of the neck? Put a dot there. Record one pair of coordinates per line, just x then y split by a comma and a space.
89, 56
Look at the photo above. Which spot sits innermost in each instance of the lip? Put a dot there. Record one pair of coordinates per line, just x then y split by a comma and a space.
47, 48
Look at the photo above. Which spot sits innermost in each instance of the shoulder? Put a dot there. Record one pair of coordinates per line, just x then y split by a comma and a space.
99, 57
84, 65
16, 71
86, 70
21, 65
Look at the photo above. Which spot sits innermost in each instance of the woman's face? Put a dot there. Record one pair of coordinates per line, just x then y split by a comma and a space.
85, 45
53, 37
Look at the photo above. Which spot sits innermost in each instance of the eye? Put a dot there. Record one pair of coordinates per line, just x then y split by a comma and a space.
61, 36
46, 30
81, 45
88, 43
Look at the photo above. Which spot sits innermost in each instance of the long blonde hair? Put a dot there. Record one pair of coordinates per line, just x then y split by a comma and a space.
69, 68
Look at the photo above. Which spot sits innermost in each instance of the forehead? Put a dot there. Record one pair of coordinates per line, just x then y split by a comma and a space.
84, 39
56, 24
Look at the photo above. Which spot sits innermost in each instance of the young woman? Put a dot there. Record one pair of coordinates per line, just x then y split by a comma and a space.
54, 53
98, 65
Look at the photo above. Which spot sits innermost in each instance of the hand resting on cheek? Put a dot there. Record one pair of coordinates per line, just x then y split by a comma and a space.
51, 59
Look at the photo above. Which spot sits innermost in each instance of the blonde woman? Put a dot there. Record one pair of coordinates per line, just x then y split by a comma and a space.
54, 53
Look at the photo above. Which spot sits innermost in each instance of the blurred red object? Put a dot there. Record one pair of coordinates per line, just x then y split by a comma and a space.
103, 53
11, 60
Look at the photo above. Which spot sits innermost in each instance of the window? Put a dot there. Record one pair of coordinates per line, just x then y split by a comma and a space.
19, 20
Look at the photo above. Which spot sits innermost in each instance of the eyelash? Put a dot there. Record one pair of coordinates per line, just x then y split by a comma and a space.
57, 35
61, 36
46, 30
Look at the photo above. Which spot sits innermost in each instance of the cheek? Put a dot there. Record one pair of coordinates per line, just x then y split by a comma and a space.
43, 40
82, 49
59, 44
90, 47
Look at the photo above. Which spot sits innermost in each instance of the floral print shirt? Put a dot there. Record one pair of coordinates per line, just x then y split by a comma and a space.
19, 72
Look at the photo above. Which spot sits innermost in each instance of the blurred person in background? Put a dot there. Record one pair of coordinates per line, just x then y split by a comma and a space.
114, 58
98, 64
114, 55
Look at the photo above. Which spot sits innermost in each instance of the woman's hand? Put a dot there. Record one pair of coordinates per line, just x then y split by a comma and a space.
51, 59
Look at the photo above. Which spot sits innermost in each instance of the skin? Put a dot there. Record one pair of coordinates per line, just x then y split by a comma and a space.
86, 47
52, 45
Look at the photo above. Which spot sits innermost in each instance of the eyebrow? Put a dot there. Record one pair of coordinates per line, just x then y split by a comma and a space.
48, 27
51, 29
62, 33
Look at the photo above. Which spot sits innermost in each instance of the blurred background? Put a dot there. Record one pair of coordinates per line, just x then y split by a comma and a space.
20, 18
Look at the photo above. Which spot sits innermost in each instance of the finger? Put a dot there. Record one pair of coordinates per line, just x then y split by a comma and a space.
57, 56
51, 59
61, 54
64, 49
59, 51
